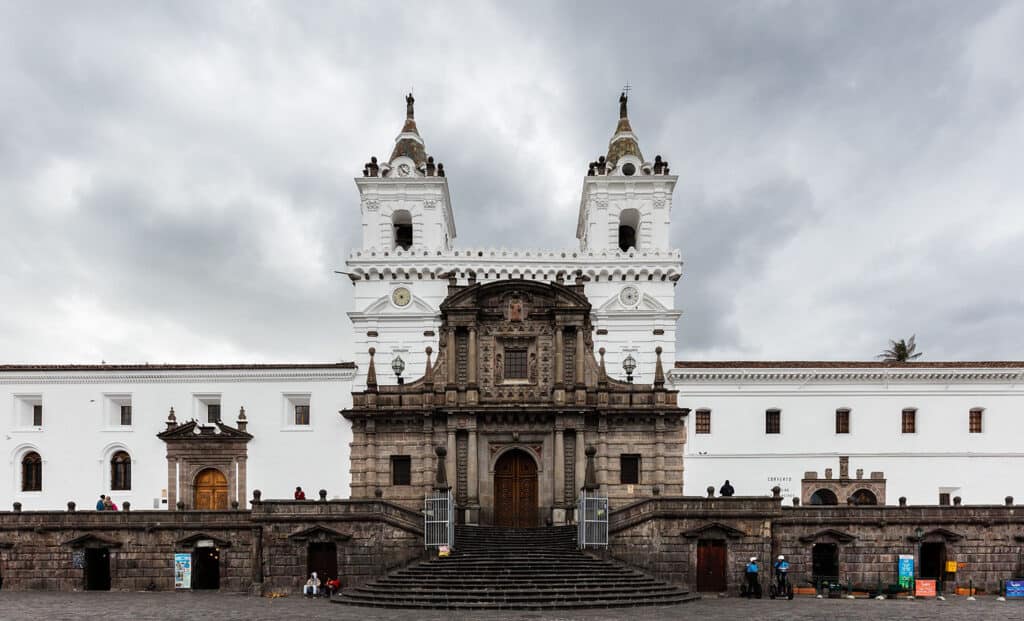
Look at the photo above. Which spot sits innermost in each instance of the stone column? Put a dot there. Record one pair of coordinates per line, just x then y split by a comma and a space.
559, 472
257, 561
450, 357
471, 371
450, 464
472, 468
559, 357
172, 483
580, 379
581, 460
659, 452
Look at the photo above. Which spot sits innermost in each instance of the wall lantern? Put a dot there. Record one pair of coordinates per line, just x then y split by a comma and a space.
629, 365
398, 365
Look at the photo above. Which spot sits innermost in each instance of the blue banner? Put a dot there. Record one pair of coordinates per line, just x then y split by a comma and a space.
906, 573
1015, 588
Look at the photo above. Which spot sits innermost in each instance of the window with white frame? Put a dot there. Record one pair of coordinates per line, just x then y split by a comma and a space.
296, 410
118, 408
207, 408
28, 411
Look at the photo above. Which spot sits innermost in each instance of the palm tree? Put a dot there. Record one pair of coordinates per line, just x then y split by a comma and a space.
901, 351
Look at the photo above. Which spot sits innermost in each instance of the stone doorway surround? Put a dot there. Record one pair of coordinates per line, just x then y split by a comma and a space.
193, 448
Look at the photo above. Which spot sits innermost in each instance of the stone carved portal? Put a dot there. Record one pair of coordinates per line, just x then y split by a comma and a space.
515, 490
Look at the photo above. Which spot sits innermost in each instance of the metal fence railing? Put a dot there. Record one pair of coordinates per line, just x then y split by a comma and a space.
439, 520
592, 525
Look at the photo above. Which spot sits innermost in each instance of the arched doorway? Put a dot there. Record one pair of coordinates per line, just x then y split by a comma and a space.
515, 490
211, 491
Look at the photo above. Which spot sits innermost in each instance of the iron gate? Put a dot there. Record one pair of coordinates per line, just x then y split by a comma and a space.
593, 521
439, 520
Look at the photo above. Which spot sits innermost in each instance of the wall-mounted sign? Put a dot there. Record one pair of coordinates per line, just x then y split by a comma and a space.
951, 567
205, 543
78, 559
906, 571
183, 570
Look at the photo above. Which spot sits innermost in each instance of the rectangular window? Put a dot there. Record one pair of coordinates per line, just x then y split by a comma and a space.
975, 420
213, 412
944, 499
37, 415
842, 421
909, 420
401, 470
773, 421
126, 416
302, 414
515, 364
629, 469
703, 422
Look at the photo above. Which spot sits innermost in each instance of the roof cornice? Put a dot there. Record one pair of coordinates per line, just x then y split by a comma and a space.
928, 375
11, 374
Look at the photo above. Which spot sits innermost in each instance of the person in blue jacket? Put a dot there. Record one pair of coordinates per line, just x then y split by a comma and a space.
100, 505
753, 586
781, 573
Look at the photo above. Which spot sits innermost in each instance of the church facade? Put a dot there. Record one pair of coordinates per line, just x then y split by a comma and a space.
525, 353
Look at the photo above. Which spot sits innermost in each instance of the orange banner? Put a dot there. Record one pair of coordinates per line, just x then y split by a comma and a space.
924, 588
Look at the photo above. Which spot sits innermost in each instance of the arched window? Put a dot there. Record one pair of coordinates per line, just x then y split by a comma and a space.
401, 222
863, 497
121, 471
824, 497
629, 224
32, 472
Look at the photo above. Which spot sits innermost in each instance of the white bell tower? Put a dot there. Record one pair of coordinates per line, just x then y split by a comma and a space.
624, 223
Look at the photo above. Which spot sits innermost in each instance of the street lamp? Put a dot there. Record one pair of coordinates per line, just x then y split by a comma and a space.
629, 365
398, 365
919, 533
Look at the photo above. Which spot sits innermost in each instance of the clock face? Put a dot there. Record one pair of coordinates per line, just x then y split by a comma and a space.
401, 296
629, 296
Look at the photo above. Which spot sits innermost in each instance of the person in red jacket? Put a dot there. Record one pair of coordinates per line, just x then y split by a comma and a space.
299, 494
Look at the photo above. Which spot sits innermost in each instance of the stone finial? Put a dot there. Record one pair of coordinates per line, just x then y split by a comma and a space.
860, 473
903, 501
796, 501
17, 507
172, 420
126, 506
378, 492
441, 481
957, 501
323, 495
776, 492
711, 491
371, 373
71, 505
234, 505
602, 377
180, 505
428, 374
1008, 500
256, 496
431, 167
440, 169
828, 473
590, 476
659, 372
243, 422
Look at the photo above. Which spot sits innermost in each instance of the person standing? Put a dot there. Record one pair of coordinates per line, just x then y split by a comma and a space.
100, 504
726, 490
753, 585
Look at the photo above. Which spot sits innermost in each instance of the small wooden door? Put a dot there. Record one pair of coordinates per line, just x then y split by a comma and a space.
711, 566
322, 557
515, 490
211, 491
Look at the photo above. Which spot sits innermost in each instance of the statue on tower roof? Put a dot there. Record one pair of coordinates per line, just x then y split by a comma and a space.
409, 101
622, 105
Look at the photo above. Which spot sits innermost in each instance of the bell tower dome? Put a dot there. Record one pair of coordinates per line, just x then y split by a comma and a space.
404, 202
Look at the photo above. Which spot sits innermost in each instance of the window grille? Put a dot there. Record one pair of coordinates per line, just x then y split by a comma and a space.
31, 472
703, 421
773, 421
842, 421
302, 414
121, 471
515, 364
975, 420
910, 420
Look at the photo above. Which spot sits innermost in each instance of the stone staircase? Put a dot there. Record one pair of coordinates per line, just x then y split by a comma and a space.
521, 569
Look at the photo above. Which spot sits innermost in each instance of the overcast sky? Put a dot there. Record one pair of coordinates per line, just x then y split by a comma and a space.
176, 179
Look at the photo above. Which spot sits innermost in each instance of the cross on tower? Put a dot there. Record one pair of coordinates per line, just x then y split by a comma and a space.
626, 88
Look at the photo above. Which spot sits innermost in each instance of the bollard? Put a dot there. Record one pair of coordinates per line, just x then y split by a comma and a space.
180, 505
323, 495
126, 506
17, 507
256, 496
711, 491
234, 505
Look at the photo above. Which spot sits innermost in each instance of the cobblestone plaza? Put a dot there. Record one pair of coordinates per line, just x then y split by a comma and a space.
225, 607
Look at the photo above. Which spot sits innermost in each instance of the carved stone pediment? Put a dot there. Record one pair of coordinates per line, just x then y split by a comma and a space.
193, 431
90, 540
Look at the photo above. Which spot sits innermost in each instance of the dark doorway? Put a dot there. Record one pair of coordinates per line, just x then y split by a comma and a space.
205, 568
97, 569
515, 490
627, 238
323, 559
824, 497
711, 566
933, 559
824, 562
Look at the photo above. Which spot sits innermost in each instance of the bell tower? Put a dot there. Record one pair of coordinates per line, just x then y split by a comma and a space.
404, 202
624, 223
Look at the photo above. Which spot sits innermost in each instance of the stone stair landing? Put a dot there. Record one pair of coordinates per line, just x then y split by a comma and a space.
521, 569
